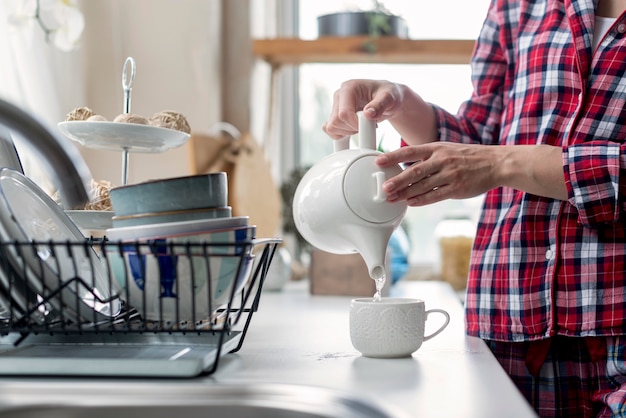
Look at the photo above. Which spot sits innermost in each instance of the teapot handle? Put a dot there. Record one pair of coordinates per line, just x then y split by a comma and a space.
367, 132
341, 144
367, 135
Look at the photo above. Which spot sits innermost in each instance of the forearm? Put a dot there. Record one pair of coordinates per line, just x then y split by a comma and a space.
415, 121
535, 169
445, 170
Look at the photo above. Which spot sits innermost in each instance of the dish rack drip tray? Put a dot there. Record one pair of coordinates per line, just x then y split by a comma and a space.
46, 332
125, 356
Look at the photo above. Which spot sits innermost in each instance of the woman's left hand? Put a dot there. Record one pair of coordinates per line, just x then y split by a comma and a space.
441, 170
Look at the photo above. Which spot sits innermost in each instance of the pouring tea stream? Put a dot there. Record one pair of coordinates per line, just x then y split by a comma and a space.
339, 205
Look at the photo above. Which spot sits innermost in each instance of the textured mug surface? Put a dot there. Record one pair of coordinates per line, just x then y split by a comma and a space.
391, 327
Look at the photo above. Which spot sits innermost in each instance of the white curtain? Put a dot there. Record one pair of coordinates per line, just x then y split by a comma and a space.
175, 45
36, 76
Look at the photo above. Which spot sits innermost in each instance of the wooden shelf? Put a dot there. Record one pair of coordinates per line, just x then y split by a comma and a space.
293, 51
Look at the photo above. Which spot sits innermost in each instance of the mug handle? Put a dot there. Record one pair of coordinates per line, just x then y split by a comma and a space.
444, 313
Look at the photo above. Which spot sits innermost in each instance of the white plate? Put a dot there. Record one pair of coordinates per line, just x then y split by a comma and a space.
91, 219
27, 213
20, 299
119, 136
170, 229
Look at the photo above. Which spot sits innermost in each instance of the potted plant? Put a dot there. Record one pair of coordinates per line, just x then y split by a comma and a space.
299, 269
287, 190
376, 22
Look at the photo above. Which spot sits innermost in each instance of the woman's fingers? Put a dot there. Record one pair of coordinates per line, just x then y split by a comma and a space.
439, 171
378, 100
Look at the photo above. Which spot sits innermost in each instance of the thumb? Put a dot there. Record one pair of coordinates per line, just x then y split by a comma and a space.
371, 111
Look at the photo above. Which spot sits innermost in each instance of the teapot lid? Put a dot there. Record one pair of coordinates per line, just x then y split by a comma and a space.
362, 188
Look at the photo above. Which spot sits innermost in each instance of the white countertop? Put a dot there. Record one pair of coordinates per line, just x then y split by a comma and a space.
297, 338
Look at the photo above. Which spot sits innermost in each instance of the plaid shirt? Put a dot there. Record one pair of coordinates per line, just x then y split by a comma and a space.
542, 267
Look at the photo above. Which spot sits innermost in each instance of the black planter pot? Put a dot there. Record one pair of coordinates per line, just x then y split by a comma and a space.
360, 23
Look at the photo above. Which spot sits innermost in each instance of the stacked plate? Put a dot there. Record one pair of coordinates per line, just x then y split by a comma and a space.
92, 223
174, 248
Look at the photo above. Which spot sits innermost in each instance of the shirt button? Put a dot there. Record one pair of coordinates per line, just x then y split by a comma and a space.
621, 28
549, 254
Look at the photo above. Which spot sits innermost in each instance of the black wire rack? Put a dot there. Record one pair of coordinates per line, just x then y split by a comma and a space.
101, 293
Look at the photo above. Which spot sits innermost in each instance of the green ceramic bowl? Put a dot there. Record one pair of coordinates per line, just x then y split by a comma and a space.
171, 194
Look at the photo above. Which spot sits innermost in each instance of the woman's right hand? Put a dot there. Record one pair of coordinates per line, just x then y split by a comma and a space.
378, 99
381, 100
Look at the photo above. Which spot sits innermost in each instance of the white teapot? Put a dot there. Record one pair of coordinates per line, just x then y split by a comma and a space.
339, 205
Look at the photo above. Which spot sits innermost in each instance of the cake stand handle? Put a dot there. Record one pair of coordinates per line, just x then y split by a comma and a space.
127, 85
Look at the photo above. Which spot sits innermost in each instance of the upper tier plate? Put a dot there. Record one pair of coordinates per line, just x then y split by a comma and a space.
118, 136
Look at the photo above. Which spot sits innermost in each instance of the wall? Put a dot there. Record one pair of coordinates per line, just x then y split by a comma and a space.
176, 47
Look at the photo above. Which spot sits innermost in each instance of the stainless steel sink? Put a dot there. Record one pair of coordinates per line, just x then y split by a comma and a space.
180, 399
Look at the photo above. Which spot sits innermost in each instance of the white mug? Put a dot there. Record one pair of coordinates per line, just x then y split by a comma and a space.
390, 327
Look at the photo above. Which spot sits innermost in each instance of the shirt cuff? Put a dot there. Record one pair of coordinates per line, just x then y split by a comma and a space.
592, 179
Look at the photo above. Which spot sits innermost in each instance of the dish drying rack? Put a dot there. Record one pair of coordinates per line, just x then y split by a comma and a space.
45, 338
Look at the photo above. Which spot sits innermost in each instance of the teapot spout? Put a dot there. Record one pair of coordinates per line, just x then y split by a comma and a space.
376, 271
372, 245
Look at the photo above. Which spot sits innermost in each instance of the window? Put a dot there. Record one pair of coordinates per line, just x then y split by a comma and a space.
446, 85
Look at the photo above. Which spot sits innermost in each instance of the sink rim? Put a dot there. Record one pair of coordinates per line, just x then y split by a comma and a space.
287, 396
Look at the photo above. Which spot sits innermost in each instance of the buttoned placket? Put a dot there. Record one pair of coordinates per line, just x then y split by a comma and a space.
550, 252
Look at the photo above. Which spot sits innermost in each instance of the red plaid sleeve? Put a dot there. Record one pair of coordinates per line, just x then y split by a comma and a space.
541, 266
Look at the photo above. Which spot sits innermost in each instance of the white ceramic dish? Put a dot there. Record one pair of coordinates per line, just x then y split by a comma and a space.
172, 216
17, 298
5, 312
168, 282
117, 136
169, 229
27, 213
173, 300
92, 220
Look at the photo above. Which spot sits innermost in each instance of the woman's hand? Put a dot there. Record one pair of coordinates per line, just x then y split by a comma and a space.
440, 171
444, 170
413, 118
